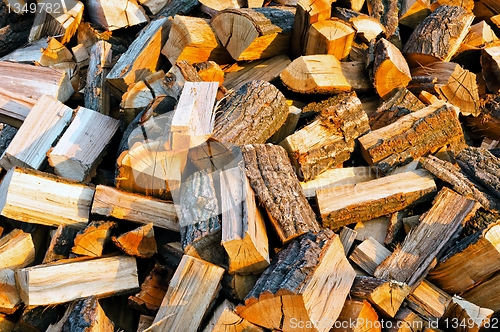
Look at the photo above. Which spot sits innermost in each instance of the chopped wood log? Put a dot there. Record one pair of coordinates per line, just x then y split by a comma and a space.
307, 13
97, 94
183, 309
331, 36
390, 146
153, 290
45, 52
14, 107
60, 244
337, 177
35, 81
38, 318
136, 99
266, 70
75, 279
329, 140
93, 131
224, 319
141, 58
422, 46
57, 201
16, 250
408, 321
250, 115
254, 33
390, 70
288, 127
281, 298
490, 66
210, 71
369, 254
272, 178
237, 286
428, 300
117, 14
244, 235
61, 21
192, 39
439, 226
385, 295
358, 315
367, 27
347, 237
88, 316
348, 204
139, 242
481, 294
9, 296
213, 7
44, 124
91, 240
466, 4
387, 12
412, 12
111, 202
470, 316
375, 228
487, 123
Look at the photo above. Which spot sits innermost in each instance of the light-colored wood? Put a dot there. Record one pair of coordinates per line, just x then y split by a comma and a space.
96, 93
111, 202
481, 294
375, 228
210, 71
14, 107
288, 127
466, 4
75, 279
337, 177
224, 319
112, 15
192, 39
91, 240
489, 143
45, 52
428, 300
348, 204
358, 315
153, 290
369, 254
244, 234
412, 12
92, 131
16, 250
191, 291
331, 36
35, 81
213, 7
473, 316
347, 237
136, 99
9, 296
44, 124
421, 246
367, 27
139, 242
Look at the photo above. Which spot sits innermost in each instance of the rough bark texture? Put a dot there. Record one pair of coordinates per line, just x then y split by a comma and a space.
87, 315
60, 245
96, 95
14, 29
277, 188
387, 11
177, 7
487, 123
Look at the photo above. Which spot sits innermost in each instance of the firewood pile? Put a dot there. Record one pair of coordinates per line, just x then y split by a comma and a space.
202, 165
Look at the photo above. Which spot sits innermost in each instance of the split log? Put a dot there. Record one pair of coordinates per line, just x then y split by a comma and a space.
14, 107
97, 94
44, 124
470, 316
412, 12
213, 7
390, 70
237, 286
75, 279
347, 237
210, 71
367, 27
481, 294
244, 235
224, 319
87, 315
60, 244
375, 228
16, 250
329, 140
438, 36
490, 66
277, 188
288, 127
153, 290
411, 137
428, 300
466, 4
34, 81
139, 242
137, 98
10, 301
250, 115
116, 15
331, 36
255, 33
111, 202
183, 309
439, 225
337, 177
369, 254
91, 240
293, 288
340, 206
387, 13
38, 318
57, 201
143, 54
192, 39
487, 123
93, 131
358, 315
45, 52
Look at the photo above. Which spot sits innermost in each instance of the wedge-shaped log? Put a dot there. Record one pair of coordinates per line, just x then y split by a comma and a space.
41, 198
244, 235
465, 311
10, 300
329, 140
411, 137
47, 52
14, 107
349, 204
331, 36
412, 12
91, 240
225, 319
92, 131
359, 315
96, 93
87, 313
75, 279
111, 202
369, 254
367, 27
16, 250
294, 287
44, 124
438, 36
141, 58
112, 15
441, 223
277, 188
153, 290
192, 39
182, 309
428, 300
254, 33
139, 242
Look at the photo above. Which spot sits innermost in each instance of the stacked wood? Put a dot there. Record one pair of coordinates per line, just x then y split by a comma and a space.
225, 319
377, 228
428, 300
331, 36
45, 52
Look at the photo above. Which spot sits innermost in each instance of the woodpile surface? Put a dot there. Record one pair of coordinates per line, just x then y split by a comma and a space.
260, 165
